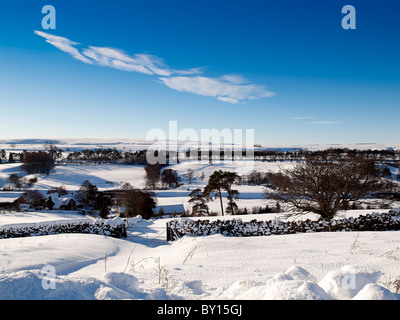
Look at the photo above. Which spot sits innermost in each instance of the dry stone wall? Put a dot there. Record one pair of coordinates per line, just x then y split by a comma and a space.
238, 228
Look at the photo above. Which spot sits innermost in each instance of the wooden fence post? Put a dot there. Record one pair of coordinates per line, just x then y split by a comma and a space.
169, 232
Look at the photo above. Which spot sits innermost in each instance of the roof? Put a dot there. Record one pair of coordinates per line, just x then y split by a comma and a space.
62, 201
10, 196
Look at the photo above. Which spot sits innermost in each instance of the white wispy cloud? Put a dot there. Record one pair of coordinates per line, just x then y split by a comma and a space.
65, 45
115, 58
317, 121
325, 122
302, 118
227, 99
227, 88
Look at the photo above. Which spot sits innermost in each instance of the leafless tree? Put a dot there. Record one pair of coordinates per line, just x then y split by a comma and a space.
138, 202
153, 172
34, 198
190, 174
37, 162
324, 184
169, 177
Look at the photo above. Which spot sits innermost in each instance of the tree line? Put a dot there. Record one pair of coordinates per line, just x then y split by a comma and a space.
113, 155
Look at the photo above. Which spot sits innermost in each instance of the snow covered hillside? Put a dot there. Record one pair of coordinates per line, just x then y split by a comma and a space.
112, 176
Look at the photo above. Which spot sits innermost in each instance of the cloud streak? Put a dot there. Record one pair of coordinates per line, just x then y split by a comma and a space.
302, 118
316, 122
65, 45
232, 89
227, 88
325, 122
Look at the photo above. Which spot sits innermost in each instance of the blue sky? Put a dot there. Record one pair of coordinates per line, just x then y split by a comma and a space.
286, 69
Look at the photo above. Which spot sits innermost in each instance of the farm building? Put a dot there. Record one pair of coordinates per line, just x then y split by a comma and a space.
10, 199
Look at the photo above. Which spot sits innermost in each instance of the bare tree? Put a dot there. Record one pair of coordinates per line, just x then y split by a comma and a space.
87, 193
153, 172
190, 174
16, 180
169, 177
37, 162
34, 198
325, 184
138, 202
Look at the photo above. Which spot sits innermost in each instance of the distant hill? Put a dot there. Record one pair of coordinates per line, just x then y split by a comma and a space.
78, 144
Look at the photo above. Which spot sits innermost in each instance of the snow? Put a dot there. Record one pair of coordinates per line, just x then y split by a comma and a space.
9, 196
37, 218
79, 144
373, 291
345, 283
66, 252
309, 266
31, 285
104, 176
316, 266
294, 284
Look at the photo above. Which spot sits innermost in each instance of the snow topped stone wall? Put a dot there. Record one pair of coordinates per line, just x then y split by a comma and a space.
108, 227
237, 228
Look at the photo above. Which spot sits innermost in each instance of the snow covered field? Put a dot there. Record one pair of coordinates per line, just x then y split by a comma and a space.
343, 265
112, 176
72, 176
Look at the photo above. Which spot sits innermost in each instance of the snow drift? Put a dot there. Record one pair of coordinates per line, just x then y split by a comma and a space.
294, 284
